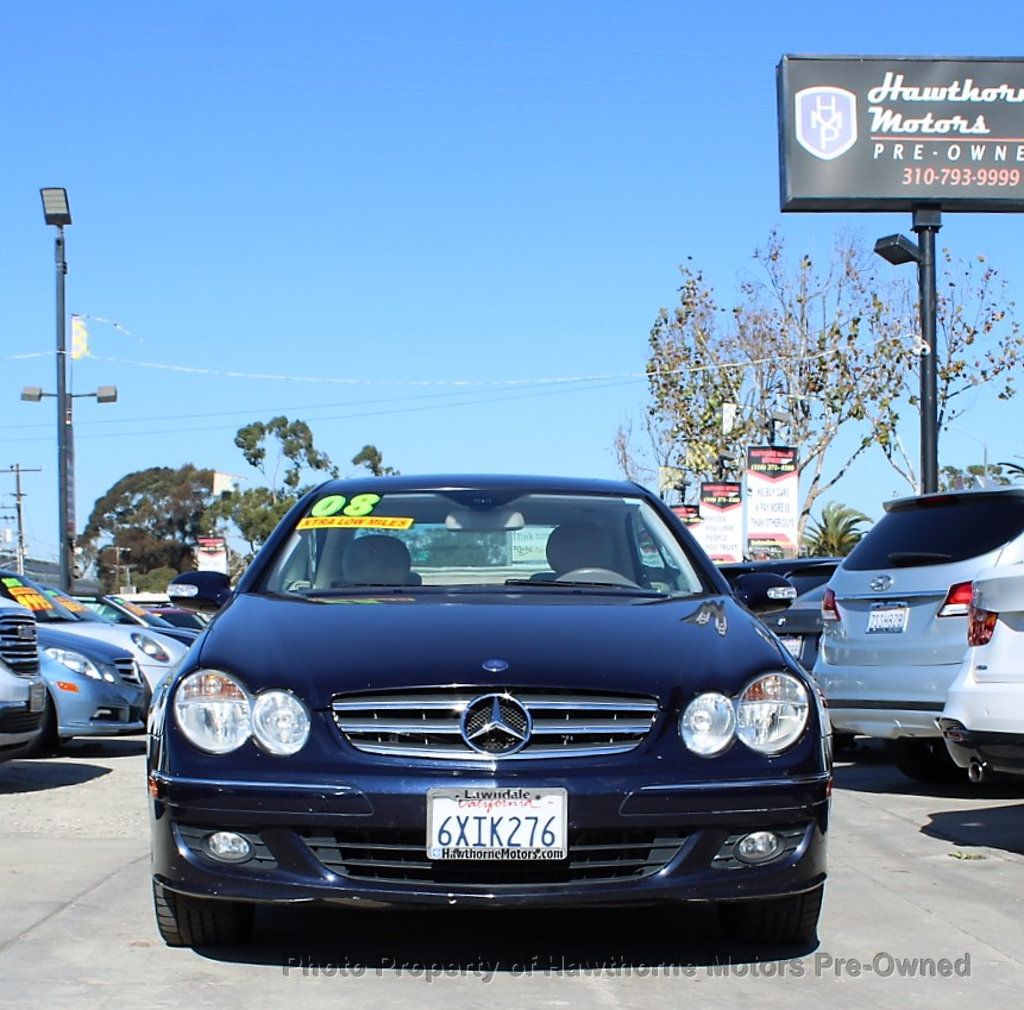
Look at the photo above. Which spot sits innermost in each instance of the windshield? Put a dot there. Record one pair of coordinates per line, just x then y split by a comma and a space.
491, 539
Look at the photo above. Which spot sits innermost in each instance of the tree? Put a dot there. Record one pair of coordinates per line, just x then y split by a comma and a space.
837, 533
256, 511
823, 348
977, 343
370, 457
975, 475
154, 514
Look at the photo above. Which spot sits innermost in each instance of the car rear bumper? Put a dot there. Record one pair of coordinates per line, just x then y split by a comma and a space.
984, 723
341, 844
885, 701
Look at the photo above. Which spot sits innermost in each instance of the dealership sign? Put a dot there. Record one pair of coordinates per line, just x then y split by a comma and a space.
897, 133
720, 531
773, 501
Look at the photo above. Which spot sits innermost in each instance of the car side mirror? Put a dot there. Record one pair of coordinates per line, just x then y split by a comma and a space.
764, 592
205, 592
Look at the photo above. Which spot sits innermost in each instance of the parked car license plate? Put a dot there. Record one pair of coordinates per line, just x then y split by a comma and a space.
794, 644
485, 823
888, 620
36, 697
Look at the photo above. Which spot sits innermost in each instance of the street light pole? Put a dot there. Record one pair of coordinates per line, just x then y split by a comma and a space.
57, 212
898, 249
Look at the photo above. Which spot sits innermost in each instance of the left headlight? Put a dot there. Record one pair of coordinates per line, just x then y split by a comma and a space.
771, 712
151, 647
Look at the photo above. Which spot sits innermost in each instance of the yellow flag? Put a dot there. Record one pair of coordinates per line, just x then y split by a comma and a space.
79, 338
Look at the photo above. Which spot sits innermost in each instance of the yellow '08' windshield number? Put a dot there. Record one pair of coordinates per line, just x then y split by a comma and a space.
333, 504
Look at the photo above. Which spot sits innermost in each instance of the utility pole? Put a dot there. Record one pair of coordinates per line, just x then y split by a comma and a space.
17, 469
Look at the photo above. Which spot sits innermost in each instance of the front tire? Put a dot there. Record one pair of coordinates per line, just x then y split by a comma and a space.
924, 759
774, 921
200, 922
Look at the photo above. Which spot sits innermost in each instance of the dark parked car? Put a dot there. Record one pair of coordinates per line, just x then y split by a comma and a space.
122, 611
486, 692
804, 573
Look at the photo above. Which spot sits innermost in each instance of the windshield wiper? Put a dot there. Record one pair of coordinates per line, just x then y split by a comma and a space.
583, 584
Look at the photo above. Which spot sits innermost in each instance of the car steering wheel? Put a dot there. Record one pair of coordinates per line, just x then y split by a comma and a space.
605, 575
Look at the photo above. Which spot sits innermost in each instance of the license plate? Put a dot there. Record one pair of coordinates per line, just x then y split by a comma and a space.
794, 644
888, 620
36, 697
497, 824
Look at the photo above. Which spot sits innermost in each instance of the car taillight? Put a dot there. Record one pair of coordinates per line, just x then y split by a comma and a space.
958, 601
980, 625
829, 610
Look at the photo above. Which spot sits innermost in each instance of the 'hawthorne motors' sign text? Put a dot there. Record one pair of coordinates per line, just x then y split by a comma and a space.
880, 133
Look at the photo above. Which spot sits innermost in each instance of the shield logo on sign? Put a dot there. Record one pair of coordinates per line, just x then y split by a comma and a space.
826, 121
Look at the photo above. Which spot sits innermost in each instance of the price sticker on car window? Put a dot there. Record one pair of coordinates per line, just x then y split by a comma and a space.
338, 512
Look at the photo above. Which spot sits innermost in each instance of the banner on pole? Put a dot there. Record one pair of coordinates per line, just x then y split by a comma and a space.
773, 502
720, 530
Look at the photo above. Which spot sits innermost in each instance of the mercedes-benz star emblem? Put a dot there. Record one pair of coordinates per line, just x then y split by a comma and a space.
496, 725
881, 584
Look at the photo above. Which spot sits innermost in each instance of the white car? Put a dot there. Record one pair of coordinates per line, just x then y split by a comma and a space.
895, 618
983, 721
22, 692
155, 654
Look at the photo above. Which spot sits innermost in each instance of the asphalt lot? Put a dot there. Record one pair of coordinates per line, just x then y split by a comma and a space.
915, 873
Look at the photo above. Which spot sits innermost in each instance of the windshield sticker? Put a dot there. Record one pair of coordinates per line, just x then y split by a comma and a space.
332, 504
66, 601
26, 597
355, 522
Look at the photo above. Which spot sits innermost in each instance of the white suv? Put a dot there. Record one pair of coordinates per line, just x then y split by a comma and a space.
22, 693
983, 721
895, 617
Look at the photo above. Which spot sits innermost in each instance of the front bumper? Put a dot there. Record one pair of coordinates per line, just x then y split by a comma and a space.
365, 846
96, 708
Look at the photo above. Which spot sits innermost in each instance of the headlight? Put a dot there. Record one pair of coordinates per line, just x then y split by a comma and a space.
213, 711
708, 724
75, 662
150, 647
771, 713
280, 722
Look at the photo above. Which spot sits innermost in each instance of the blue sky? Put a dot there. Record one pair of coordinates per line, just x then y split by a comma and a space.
386, 197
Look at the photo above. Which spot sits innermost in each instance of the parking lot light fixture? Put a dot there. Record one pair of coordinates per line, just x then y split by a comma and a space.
56, 210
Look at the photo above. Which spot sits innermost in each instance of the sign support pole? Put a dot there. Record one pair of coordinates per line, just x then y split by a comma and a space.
926, 223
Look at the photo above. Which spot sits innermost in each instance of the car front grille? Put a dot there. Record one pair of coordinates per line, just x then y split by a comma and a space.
427, 723
18, 646
20, 722
128, 670
595, 857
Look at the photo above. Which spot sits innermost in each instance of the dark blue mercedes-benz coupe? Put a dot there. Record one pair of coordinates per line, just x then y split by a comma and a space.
499, 692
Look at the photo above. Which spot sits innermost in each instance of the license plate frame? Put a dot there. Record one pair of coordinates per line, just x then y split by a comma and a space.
888, 619
469, 819
36, 697
794, 644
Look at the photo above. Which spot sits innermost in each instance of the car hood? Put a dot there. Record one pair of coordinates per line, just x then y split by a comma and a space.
592, 641
94, 648
121, 635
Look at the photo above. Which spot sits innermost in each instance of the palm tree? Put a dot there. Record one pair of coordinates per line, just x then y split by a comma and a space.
837, 532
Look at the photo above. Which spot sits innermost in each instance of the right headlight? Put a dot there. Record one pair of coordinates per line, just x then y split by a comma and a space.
771, 713
213, 711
